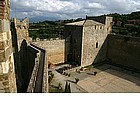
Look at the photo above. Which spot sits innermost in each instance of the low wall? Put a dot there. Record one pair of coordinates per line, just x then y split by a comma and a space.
124, 51
55, 50
39, 79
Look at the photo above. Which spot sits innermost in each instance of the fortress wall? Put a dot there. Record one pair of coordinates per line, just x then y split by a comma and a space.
19, 32
27, 61
55, 50
7, 73
73, 44
124, 51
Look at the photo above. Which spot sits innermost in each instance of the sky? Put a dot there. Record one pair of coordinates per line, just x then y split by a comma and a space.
37, 10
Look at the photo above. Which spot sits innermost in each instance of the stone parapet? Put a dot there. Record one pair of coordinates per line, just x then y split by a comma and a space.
33, 79
5, 9
39, 78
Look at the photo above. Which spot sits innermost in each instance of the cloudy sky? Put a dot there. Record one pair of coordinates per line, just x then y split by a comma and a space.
67, 9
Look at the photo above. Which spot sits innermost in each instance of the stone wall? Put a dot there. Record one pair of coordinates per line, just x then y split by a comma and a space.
73, 45
7, 73
55, 50
39, 79
94, 42
106, 20
124, 51
27, 58
20, 31
88, 40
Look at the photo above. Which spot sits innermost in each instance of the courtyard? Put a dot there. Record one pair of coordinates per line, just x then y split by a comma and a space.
109, 79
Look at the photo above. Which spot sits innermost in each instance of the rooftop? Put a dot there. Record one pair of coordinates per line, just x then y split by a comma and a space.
85, 23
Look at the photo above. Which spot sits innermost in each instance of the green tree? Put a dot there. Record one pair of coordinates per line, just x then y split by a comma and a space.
67, 88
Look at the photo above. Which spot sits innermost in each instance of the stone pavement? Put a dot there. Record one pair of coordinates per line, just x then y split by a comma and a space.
112, 80
109, 79
59, 78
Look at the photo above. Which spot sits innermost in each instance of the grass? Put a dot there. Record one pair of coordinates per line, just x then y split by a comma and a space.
55, 90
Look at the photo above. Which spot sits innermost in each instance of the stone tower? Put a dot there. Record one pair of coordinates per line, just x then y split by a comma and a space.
7, 73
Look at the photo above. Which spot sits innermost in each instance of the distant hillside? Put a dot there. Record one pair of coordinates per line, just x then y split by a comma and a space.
49, 29
124, 24
127, 24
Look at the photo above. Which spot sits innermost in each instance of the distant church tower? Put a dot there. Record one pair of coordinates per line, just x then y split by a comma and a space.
7, 72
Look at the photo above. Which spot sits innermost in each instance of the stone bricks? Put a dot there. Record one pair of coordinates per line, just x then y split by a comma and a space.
4, 54
4, 9
124, 51
55, 50
7, 74
3, 77
2, 45
88, 40
3, 36
5, 26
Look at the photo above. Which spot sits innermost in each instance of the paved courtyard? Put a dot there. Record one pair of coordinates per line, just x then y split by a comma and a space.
109, 79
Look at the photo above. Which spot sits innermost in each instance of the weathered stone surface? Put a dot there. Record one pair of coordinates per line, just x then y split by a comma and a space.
4, 54
4, 9
55, 50
20, 31
3, 36
124, 51
8, 52
113, 80
7, 74
93, 41
3, 77
2, 45
5, 26
88, 41
5, 67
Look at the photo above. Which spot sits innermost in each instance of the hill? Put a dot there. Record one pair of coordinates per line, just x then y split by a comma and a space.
124, 24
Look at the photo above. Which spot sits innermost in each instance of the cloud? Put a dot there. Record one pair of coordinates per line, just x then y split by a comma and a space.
64, 9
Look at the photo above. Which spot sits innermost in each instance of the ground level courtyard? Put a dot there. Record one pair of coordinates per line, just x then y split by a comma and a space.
109, 79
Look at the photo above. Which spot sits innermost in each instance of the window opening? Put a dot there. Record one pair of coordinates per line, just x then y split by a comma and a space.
96, 44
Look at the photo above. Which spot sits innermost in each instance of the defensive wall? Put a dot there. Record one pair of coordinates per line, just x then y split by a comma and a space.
39, 78
87, 43
7, 73
55, 50
91, 42
30, 61
73, 43
124, 51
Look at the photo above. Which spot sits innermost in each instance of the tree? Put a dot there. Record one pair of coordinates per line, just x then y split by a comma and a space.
59, 86
76, 80
67, 88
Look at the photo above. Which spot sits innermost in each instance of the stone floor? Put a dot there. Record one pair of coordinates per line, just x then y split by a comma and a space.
111, 79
